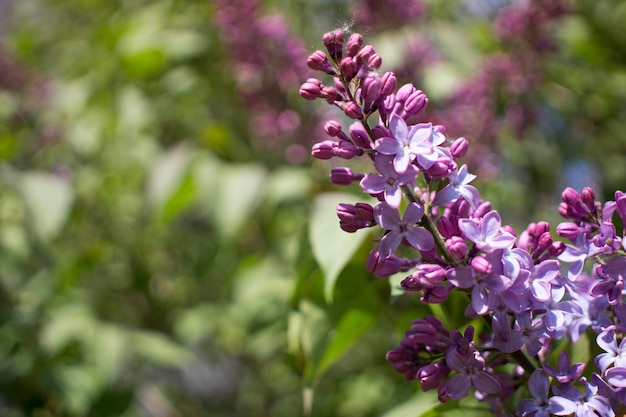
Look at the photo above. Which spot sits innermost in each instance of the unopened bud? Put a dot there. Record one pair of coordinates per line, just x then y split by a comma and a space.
459, 148
353, 110
354, 44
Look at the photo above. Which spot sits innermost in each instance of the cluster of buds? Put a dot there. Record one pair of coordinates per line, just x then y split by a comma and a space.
435, 227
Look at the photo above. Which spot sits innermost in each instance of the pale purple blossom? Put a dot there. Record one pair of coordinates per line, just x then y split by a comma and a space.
458, 187
388, 181
398, 229
487, 232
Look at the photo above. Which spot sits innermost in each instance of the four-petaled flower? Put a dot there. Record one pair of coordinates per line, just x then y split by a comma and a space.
406, 228
487, 232
389, 181
417, 142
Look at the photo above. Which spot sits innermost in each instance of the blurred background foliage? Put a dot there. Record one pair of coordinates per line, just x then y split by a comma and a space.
167, 247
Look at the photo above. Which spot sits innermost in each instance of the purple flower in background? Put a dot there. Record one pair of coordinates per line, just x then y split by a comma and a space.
470, 373
420, 141
458, 186
487, 232
389, 181
565, 373
406, 228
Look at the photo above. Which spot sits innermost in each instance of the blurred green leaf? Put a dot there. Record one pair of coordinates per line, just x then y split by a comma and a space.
48, 199
417, 406
332, 247
159, 349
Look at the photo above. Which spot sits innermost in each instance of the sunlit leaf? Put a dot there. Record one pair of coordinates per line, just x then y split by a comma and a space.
417, 406
332, 247
159, 349
49, 200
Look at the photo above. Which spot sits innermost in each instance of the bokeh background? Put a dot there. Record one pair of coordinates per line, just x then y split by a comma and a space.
167, 246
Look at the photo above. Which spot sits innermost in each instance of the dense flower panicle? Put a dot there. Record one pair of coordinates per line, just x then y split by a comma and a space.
531, 290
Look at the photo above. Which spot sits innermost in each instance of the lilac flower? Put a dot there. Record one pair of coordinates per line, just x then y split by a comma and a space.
565, 373
420, 141
457, 187
406, 228
487, 232
470, 373
541, 405
587, 404
614, 354
389, 181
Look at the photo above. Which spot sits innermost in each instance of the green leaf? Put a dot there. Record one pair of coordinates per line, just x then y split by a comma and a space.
167, 175
421, 403
332, 247
357, 319
159, 349
48, 200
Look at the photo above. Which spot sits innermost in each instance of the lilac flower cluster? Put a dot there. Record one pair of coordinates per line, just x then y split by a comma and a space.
268, 60
499, 96
532, 293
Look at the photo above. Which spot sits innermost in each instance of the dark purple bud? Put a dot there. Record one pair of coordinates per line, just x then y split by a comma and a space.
445, 227
318, 61
436, 295
389, 83
311, 89
620, 200
359, 135
415, 103
364, 211
508, 228
344, 176
564, 210
426, 276
540, 228
353, 218
380, 131
348, 68
545, 242
588, 197
482, 265
323, 150
354, 44
457, 247
382, 267
353, 110
568, 230
459, 148
333, 41
432, 376
556, 249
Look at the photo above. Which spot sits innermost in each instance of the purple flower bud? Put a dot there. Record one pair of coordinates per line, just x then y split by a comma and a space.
354, 44
556, 249
353, 110
332, 128
442, 168
318, 61
364, 211
568, 230
436, 295
545, 242
371, 87
330, 94
404, 93
382, 267
457, 247
354, 217
344, 176
389, 83
459, 148
482, 265
311, 89
482, 209
348, 68
323, 150
359, 135
374, 62
380, 131
432, 376
415, 103
333, 41
620, 200
426, 276
588, 197
540, 228
346, 150
445, 227
364, 54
